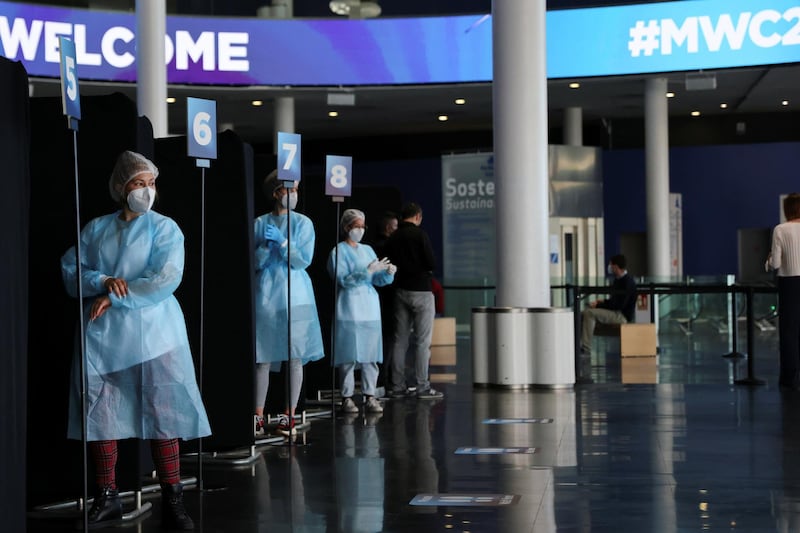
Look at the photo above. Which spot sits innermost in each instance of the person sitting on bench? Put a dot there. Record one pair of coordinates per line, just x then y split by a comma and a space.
618, 309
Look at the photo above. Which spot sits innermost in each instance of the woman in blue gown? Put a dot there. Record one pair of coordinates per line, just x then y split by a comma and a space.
140, 375
273, 257
358, 341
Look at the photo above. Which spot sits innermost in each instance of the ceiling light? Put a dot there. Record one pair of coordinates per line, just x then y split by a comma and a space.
785, 102
333, 114
670, 95
695, 113
723, 106
460, 101
257, 103
355, 8
170, 99
574, 85
443, 118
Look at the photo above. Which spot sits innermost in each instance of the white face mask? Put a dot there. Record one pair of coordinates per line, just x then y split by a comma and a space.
610, 270
141, 200
356, 234
292, 199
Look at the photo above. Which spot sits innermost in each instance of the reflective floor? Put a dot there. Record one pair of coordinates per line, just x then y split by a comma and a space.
692, 452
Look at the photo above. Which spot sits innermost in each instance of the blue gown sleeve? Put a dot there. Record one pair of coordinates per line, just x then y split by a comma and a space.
163, 273
91, 280
262, 246
348, 275
302, 244
381, 279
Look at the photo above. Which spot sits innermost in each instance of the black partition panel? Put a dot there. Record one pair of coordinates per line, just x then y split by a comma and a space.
14, 203
229, 339
109, 125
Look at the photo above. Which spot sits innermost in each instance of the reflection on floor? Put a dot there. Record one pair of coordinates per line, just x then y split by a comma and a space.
690, 451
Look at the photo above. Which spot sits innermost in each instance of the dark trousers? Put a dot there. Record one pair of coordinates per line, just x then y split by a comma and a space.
789, 329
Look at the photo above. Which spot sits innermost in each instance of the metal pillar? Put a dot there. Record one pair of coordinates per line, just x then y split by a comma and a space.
151, 69
657, 177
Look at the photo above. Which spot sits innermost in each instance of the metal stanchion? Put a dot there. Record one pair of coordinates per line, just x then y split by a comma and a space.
750, 379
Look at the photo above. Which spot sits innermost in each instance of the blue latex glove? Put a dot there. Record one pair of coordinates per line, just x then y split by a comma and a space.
272, 233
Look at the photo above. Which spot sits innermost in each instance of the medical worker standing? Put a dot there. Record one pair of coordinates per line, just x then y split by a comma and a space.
272, 260
358, 311
140, 375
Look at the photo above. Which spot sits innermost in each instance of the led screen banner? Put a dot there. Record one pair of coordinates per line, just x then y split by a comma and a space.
631, 39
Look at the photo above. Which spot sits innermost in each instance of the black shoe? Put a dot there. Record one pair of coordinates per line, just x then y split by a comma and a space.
397, 394
106, 509
173, 513
429, 394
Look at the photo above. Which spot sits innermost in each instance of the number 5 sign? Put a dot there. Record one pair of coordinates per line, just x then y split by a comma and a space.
338, 175
70, 96
201, 128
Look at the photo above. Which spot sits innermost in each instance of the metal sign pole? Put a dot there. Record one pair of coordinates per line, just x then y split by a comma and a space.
338, 201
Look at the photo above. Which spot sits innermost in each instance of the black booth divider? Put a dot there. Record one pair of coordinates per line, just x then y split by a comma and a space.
14, 205
229, 337
110, 124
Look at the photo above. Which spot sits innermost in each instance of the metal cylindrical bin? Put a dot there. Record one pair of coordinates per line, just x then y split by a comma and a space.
479, 333
520, 347
552, 346
511, 365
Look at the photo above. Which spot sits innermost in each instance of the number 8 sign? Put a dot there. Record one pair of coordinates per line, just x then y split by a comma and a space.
338, 175
201, 128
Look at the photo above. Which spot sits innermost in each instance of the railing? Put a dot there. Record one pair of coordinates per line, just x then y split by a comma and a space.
459, 301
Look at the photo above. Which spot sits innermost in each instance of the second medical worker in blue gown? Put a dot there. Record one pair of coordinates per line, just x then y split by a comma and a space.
358, 311
140, 375
272, 260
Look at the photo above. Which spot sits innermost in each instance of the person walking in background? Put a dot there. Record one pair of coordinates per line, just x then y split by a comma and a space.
140, 374
274, 265
410, 249
785, 258
618, 309
356, 270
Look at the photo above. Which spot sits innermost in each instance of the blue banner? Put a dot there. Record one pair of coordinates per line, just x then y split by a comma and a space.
607, 41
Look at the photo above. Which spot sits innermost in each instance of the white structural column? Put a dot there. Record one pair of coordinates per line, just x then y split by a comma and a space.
284, 118
573, 126
151, 68
519, 93
656, 135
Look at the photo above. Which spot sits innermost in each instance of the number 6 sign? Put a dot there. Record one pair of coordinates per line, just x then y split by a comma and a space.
338, 175
201, 128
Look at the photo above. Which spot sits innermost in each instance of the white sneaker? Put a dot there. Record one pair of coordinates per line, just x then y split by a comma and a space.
372, 405
349, 406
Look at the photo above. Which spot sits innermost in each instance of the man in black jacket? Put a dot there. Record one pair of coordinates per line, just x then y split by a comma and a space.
618, 309
409, 248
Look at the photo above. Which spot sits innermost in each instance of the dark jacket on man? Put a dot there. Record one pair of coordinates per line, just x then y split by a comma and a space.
623, 297
409, 248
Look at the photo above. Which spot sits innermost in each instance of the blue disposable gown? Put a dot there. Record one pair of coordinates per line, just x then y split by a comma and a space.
141, 381
271, 292
358, 308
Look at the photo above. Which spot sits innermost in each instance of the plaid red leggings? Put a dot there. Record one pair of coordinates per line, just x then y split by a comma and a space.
166, 457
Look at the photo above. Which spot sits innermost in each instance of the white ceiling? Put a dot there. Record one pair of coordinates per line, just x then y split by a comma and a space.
389, 110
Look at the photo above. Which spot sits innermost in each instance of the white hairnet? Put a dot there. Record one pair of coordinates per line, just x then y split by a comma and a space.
271, 184
350, 216
129, 165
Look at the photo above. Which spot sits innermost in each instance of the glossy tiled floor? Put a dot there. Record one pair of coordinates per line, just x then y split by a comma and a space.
693, 452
